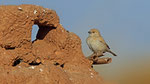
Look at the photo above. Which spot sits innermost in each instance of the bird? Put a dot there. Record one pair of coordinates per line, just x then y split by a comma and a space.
97, 44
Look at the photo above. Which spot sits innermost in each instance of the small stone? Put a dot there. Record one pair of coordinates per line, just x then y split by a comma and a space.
19, 66
41, 70
92, 74
19, 8
32, 67
43, 10
35, 11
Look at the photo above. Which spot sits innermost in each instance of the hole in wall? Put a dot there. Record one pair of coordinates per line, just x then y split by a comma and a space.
43, 31
56, 63
34, 63
35, 29
62, 65
9, 48
40, 31
16, 62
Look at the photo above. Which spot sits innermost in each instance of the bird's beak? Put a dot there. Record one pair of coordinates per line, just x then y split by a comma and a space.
89, 32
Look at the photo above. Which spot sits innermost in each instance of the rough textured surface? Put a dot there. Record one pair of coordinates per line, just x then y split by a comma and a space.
55, 57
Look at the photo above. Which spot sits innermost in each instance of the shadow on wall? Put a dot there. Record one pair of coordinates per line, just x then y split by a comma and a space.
39, 32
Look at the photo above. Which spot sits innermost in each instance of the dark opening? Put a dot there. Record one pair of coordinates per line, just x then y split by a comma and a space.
43, 31
9, 48
16, 62
62, 65
56, 63
40, 31
34, 63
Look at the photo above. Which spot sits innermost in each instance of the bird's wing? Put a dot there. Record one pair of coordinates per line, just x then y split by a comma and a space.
107, 46
103, 41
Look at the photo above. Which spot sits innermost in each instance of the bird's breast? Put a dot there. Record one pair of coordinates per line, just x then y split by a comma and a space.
95, 44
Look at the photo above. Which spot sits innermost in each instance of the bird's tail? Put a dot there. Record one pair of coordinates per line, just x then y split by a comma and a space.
112, 53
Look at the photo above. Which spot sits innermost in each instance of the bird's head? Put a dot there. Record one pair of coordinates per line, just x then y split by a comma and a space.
94, 32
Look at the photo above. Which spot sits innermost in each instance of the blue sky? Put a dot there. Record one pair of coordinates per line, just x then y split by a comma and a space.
124, 24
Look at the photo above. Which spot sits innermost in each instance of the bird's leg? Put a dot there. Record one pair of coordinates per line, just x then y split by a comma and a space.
100, 54
95, 55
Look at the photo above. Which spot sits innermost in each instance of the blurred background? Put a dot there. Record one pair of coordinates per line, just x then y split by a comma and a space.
124, 24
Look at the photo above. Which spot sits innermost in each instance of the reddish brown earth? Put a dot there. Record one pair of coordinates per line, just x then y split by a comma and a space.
55, 57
